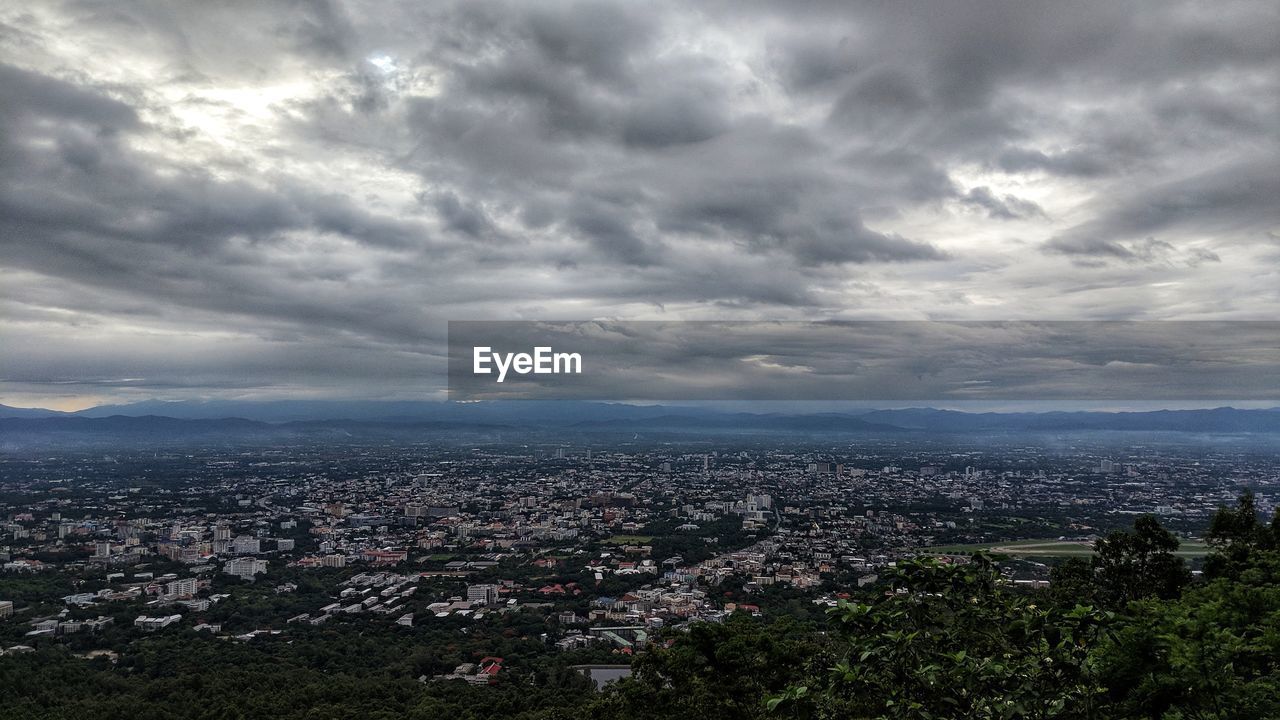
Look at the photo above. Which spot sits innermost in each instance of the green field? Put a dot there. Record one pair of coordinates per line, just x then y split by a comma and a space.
1048, 548
629, 540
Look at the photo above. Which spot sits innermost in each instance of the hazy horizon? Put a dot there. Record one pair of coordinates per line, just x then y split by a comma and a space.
745, 406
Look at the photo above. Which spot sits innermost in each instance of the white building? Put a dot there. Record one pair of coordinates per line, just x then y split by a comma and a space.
483, 594
245, 567
151, 624
185, 587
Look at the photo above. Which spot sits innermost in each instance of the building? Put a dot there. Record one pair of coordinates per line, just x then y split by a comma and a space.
384, 557
483, 594
152, 624
245, 567
186, 587
6, 609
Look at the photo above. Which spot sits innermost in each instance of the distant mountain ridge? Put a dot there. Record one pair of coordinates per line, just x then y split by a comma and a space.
194, 418
15, 412
156, 427
817, 422
300, 410
1216, 420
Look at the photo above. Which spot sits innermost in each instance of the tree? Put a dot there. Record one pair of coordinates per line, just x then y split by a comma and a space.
955, 641
1236, 534
714, 670
1139, 564
1241, 525
1073, 582
1213, 655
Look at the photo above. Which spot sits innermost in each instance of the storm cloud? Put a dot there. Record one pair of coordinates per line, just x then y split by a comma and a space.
268, 199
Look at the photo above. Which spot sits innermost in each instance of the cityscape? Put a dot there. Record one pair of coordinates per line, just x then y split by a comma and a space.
612, 360
592, 549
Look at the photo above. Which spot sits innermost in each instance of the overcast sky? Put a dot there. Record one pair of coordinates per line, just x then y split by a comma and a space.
268, 200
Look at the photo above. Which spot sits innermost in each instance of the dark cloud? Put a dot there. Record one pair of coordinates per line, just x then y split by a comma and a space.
31, 97
608, 228
318, 27
1237, 200
1007, 207
466, 218
878, 360
1069, 162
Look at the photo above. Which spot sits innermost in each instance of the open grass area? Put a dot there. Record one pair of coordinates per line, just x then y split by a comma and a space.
1048, 548
629, 540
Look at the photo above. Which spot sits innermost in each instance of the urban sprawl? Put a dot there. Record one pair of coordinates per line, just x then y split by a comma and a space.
597, 548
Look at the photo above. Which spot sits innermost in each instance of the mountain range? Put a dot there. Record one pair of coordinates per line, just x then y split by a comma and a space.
293, 417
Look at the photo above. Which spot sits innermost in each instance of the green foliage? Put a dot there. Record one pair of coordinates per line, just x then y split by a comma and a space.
1074, 582
714, 671
1236, 534
1139, 564
1239, 526
952, 641
1214, 654
330, 675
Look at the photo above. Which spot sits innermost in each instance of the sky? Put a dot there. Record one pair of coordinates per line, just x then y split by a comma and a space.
266, 200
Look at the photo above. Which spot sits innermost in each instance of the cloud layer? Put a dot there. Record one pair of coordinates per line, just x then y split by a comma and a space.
896, 361
265, 199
